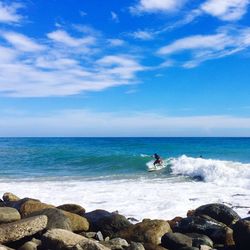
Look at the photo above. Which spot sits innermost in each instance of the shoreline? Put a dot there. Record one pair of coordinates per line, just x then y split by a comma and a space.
28, 221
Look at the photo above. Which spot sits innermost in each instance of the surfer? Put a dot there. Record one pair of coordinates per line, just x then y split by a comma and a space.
158, 159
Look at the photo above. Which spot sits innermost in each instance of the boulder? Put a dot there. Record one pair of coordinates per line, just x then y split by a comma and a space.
241, 234
148, 231
108, 223
73, 208
17, 204
192, 224
200, 239
150, 246
189, 248
78, 223
10, 197
88, 244
175, 240
31, 206
116, 244
60, 239
219, 212
2, 247
9, 214
31, 245
26, 227
173, 223
135, 246
56, 218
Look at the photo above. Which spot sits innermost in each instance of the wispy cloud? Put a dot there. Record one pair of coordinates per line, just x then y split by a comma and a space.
228, 10
153, 6
92, 123
142, 35
9, 13
226, 41
71, 65
114, 17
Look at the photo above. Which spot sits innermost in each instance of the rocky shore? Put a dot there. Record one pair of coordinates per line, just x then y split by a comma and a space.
29, 224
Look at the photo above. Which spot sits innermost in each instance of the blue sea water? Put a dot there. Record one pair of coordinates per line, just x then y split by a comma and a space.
110, 157
112, 174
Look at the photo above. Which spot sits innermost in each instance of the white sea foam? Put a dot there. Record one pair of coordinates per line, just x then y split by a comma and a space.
225, 173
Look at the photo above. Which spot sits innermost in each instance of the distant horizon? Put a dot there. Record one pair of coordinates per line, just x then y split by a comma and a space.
139, 68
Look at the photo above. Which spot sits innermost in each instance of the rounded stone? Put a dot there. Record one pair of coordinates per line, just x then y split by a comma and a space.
9, 214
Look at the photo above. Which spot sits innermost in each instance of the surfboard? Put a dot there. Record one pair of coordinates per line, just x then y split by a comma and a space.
157, 167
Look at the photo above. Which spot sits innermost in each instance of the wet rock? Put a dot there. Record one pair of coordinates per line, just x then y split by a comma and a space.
174, 222
135, 246
60, 239
10, 197
219, 212
150, 246
32, 206
26, 227
31, 245
148, 231
241, 234
175, 240
56, 218
216, 231
106, 222
78, 223
17, 204
189, 248
9, 214
116, 244
2, 247
73, 208
200, 239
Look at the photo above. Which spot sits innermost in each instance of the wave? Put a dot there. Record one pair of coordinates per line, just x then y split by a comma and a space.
211, 170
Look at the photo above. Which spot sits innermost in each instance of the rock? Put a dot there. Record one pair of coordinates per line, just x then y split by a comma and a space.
116, 244
32, 206
148, 231
58, 239
10, 197
99, 236
205, 247
26, 227
31, 245
216, 231
241, 234
90, 235
106, 222
78, 223
174, 222
56, 218
135, 246
73, 208
17, 204
200, 239
175, 240
150, 246
9, 214
189, 248
219, 212
2, 247
88, 244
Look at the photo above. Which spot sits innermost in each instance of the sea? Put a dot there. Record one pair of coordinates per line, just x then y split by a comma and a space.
112, 173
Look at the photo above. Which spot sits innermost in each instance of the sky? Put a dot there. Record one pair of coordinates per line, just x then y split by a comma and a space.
125, 68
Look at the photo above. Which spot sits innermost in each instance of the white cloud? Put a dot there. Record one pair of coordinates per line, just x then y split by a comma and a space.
92, 123
206, 47
153, 6
26, 71
116, 42
8, 13
21, 42
114, 17
143, 35
62, 37
227, 10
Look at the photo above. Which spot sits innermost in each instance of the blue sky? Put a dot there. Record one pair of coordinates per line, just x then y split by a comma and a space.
125, 68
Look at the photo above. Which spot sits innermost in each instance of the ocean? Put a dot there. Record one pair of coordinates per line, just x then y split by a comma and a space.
112, 174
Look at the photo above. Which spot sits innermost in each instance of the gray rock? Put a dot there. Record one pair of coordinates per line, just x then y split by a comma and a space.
175, 240
241, 234
116, 244
107, 223
218, 232
135, 246
9, 214
200, 239
2, 247
219, 212
60, 239
26, 227
88, 244
56, 218
10, 197
189, 248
